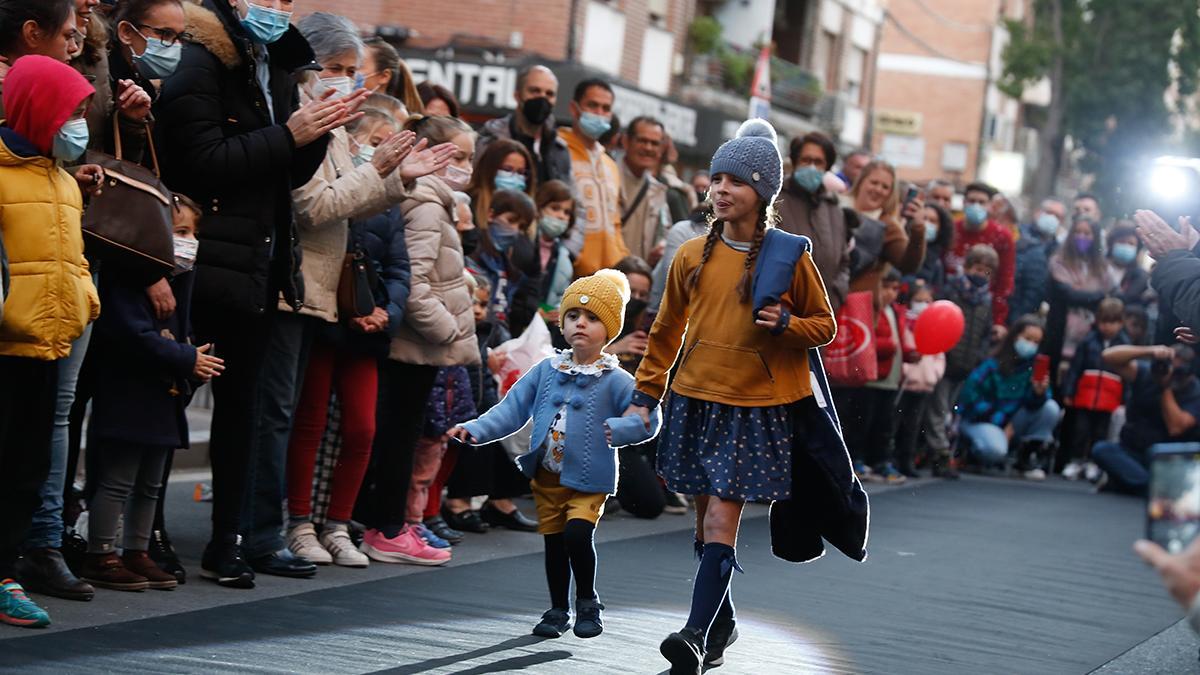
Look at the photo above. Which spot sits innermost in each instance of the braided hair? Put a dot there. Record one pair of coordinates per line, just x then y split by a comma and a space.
767, 215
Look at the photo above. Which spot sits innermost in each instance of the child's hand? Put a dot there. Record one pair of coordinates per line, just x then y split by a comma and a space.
460, 434
496, 361
90, 178
998, 333
207, 367
637, 411
768, 317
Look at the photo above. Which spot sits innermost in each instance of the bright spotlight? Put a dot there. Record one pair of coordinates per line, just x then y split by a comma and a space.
1168, 182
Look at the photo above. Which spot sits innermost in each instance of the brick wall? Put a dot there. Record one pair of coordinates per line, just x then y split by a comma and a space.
542, 23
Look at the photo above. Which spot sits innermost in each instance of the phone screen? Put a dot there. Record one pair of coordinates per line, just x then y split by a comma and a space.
1173, 504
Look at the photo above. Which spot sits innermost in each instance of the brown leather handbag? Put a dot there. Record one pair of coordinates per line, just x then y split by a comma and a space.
354, 296
130, 221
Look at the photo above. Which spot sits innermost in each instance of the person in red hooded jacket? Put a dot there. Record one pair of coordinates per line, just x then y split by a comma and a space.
52, 297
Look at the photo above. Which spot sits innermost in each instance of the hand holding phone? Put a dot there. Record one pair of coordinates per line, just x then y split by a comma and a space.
1173, 499
1041, 368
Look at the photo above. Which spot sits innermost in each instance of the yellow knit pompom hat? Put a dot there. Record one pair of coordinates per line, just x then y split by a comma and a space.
604, 294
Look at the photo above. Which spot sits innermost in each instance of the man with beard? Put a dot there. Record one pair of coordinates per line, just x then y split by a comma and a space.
533, 125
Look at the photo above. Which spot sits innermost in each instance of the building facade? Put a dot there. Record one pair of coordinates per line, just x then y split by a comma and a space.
937, 111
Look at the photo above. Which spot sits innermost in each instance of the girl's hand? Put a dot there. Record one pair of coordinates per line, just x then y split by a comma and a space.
207, 367
496, 361
90, 178
634, 411
635, 343
768, 317
390, 153
1186, 335
424, 160
460, 434
1039, 386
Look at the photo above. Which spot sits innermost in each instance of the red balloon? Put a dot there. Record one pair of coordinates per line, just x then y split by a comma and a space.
938, 328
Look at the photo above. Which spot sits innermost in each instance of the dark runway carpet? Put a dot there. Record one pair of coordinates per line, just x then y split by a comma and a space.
978, 576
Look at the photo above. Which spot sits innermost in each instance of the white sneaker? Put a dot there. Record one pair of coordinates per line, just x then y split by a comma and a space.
1092, 472
302, 540
337, 542
1035, 474
1072, 470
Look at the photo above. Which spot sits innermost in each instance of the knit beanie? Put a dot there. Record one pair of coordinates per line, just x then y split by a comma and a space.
753, 157
604, 294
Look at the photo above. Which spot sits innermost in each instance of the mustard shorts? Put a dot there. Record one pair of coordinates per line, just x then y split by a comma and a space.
557, 504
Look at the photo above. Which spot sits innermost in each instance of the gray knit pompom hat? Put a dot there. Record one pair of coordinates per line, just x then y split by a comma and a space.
752, 156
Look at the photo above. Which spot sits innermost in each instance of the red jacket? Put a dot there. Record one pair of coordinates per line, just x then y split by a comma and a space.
886, 347
995, 235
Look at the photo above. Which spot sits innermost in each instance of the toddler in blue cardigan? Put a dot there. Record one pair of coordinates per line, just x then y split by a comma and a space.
575, 399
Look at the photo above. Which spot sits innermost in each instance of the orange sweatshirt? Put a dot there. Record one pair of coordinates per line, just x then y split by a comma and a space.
726, 357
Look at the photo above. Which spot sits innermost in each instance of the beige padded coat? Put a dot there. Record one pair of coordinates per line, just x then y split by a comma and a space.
439, 326
323, 208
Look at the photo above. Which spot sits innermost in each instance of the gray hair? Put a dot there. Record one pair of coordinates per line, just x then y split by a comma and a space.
1053, 200
938, 183
331, 35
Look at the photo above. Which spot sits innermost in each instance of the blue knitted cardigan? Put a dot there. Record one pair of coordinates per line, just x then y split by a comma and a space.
594, 401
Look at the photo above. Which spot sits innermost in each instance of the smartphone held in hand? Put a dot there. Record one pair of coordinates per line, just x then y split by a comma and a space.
1173, 503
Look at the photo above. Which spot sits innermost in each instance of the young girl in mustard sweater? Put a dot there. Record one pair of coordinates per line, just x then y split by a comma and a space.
728, 426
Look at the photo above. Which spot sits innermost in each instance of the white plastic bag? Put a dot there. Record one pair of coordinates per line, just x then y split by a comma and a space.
522, 353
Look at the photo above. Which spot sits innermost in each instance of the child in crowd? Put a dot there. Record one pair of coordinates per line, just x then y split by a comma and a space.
970, 291
872, 442
1091, 391
142, 387
1002, 403
450, 404
575, 400
919, 381
51, 298
630, 346
505, 255
1137, 324
556, 217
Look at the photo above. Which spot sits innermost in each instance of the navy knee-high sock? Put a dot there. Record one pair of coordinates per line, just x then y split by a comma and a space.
582, 551
726, 612
712, 585
558, 571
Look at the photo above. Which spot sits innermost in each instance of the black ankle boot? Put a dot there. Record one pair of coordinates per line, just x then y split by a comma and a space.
163, 554
685, 651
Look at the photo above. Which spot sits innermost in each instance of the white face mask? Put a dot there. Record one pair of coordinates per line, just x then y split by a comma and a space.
185, 253
342, 86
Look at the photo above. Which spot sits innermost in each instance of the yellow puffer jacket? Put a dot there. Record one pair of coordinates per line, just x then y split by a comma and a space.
52, 297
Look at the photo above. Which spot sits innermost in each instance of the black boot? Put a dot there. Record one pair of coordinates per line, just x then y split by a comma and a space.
163, 554
43, 570
943, 467
685, 651
223, 563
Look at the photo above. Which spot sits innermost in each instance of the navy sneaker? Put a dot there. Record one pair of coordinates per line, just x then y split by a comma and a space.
588, 620
428, 536
554, 623
685, 651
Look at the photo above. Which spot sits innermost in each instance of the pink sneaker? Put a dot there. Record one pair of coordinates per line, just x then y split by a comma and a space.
405, 547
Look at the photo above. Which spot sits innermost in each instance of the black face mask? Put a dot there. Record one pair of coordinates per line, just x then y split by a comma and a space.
536, 110
470, 240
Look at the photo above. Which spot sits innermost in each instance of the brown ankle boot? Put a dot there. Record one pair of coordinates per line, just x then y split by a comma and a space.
139, 562
105, 570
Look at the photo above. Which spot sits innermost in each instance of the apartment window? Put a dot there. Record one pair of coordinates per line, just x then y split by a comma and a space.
825, 60
856, 63
603, 38
658, 51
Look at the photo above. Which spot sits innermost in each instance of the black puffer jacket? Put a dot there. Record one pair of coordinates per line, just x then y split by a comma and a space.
224, 149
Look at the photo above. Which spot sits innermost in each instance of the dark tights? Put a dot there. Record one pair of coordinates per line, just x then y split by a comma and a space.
571, 550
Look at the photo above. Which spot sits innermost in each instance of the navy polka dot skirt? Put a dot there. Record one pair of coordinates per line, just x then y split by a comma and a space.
726, 451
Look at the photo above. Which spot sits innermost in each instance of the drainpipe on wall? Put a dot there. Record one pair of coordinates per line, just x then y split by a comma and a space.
572, 37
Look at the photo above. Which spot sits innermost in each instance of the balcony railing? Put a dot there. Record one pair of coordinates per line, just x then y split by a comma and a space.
731, 69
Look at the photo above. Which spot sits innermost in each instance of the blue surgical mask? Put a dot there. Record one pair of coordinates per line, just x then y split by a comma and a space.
1124, 253
808, 178
594, 126
185, 254
360, 81
1025, 349
551, 227
1047, 223
365, 154
976, 215
931, 232
503, 237
265, 24
507, 180
71, 140
158, 61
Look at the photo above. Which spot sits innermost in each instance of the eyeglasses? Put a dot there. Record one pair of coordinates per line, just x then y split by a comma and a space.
166, 36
